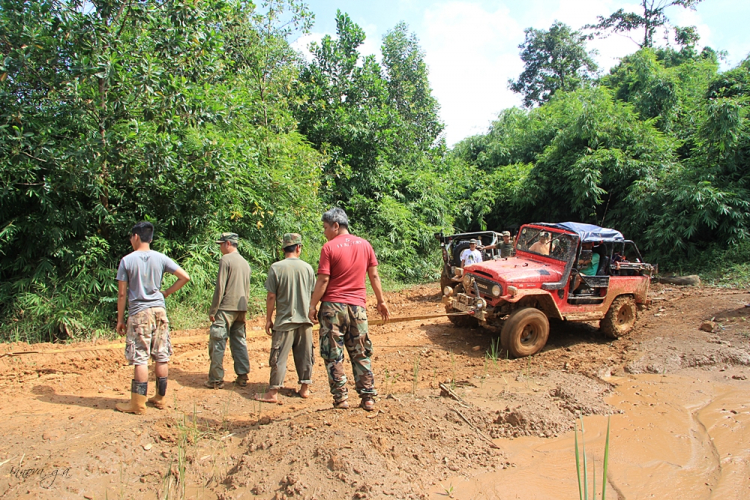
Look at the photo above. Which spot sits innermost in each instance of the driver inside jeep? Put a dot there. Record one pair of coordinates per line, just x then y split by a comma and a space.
542, 245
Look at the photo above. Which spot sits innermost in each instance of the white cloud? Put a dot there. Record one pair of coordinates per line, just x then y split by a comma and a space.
371, 45
471, 53
302, 44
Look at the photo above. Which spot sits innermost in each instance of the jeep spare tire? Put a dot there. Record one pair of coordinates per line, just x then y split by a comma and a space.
458, 250
620, 319
525, 332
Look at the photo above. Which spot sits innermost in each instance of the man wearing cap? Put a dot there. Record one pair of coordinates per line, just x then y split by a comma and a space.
227, 314
471, 255
345, 260
541, 246
289, 285
506, 246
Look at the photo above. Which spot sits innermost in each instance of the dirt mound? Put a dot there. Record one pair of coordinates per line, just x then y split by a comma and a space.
552, 408
399, 450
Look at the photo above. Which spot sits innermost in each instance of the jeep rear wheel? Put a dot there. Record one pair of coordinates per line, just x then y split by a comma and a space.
620, 318
446, 280
525, 332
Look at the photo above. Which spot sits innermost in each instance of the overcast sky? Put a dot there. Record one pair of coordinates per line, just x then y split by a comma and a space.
471, 46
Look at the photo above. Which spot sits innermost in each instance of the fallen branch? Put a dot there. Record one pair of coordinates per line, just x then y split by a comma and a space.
452, 394
481, 434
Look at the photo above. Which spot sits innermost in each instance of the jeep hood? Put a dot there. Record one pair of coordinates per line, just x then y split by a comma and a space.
515, 271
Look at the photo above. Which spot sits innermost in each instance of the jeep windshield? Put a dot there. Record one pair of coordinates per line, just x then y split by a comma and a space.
538, 241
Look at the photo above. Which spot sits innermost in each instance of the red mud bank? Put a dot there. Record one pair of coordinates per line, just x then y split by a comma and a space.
676, 396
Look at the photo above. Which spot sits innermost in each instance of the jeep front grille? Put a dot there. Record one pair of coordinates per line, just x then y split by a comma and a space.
485, 286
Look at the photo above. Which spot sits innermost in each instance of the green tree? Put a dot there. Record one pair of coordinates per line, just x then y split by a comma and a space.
409, 90
554, 59
651, 18
117, 111
664, 85
379, 127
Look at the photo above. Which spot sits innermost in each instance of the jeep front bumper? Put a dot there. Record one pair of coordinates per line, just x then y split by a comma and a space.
476, 307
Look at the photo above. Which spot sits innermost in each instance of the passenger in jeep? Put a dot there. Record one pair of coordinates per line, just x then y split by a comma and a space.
471, 255
588, 262
506, 246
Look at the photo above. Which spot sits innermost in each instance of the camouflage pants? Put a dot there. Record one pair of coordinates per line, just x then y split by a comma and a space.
231, 325
148, 337
344, 325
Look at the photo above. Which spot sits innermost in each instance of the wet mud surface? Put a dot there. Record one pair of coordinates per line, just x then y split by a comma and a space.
675, 393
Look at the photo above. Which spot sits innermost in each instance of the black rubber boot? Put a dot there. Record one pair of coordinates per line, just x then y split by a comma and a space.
159, 400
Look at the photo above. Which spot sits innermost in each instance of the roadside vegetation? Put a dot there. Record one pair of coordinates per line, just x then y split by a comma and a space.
200, 117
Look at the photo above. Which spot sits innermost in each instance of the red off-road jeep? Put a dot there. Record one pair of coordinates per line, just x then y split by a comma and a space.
519, 294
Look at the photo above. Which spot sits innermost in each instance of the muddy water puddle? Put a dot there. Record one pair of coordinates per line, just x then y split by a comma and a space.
678, 436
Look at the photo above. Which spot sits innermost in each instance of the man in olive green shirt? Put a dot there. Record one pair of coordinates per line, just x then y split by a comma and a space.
506, 246
290, 284
227, 314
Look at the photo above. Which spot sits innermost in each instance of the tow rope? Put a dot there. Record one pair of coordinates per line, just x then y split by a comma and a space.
195, 339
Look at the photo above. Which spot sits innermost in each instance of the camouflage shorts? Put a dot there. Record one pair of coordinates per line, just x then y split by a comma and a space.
148, 337
344, 327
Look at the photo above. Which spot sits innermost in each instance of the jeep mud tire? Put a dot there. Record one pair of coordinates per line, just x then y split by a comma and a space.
620, 318
445, 280
463, 321
525, 332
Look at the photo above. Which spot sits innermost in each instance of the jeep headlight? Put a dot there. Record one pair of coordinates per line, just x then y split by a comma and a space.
497, 290
467, 282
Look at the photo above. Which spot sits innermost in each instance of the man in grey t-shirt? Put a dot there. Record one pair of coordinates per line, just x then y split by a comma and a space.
289, 284
147, 331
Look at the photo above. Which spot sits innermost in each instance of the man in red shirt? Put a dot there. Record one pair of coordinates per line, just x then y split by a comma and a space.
344, 262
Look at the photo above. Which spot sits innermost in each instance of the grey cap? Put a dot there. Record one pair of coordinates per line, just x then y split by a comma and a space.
476, 242
506, 233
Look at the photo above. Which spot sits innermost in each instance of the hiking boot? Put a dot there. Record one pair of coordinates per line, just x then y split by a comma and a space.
341, 405
214, 385
241, 380
367, 404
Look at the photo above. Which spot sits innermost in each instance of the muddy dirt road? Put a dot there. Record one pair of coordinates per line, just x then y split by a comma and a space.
678, 399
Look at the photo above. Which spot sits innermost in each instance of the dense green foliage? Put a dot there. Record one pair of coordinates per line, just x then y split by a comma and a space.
379, 127
200, 117
115, 112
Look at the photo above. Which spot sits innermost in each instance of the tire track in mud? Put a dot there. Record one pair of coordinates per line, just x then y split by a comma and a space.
704, 449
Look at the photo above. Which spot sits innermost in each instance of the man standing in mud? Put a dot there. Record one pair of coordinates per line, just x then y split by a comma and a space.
344, 262
147, 332
289, 285
227, 314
